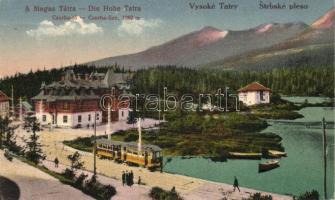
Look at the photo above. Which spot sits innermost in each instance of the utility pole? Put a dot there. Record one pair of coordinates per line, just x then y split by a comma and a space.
13, 109
95, 145
21, 110
324, 137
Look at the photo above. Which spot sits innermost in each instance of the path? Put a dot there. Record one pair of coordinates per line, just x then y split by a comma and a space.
34, 184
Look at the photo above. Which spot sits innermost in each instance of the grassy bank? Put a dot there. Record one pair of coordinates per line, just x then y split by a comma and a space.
278, 109
193, 134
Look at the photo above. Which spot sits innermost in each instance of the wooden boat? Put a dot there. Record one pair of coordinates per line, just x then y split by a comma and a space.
239, 155
268, 165
276, 154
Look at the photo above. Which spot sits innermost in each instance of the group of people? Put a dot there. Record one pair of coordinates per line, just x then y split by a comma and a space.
127, 178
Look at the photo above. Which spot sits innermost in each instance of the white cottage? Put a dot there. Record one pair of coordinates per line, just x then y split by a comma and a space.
254, 94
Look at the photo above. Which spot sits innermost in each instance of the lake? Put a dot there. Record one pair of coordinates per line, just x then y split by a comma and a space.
302, 170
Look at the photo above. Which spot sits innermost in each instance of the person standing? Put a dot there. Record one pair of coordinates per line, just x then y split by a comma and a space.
56, 162
123, 178
236, 184
127, 178
139, 180
131, 178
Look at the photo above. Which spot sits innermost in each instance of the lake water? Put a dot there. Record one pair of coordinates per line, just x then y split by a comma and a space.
302, 170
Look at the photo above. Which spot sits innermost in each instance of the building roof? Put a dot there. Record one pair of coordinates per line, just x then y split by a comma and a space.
116, 79
3, 97
255, 86
133, 145
27, 106
71, 87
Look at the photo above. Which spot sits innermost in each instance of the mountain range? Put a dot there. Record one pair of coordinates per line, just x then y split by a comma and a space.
262, 47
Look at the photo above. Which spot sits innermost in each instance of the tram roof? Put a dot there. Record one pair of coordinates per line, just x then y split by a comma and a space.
148, 147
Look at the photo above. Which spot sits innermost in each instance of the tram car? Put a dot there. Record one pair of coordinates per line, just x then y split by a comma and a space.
149, 156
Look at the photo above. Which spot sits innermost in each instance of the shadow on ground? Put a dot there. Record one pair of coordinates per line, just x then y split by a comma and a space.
9, 190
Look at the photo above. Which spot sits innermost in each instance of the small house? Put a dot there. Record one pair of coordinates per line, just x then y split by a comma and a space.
254, 94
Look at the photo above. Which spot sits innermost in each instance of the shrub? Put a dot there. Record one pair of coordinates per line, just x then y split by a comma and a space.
68, 173
259, 196
98, 190
157, 193
80, 180
131, 137
313, 195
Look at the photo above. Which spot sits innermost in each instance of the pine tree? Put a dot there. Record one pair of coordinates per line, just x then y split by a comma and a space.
33, 147
7, 137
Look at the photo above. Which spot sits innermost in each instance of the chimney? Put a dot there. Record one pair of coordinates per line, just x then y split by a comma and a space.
87, 77
62, 78
78, 77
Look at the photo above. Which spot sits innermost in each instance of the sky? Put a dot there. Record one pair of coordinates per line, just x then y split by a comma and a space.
31, 40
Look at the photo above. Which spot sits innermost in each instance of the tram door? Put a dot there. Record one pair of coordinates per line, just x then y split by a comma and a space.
145, 158
125, 153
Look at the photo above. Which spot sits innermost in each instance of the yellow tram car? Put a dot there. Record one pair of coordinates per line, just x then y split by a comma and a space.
149, 156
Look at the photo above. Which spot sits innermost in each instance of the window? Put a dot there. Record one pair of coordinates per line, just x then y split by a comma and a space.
89, 118
122, 113
262, 95
65, 119
79, 118
44, 118
97, 116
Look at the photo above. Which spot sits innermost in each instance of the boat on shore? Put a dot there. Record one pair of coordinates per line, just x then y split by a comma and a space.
268, 165
276, 154
239, 155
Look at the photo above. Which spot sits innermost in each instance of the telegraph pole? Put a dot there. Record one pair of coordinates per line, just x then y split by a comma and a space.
324, 137
13, 109
95, 145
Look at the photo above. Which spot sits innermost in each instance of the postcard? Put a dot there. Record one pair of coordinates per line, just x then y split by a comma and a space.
167, 99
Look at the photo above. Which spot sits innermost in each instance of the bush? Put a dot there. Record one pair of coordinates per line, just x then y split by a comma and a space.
259, 196
98, 190
157, 193
313, 195
131, 137
68, 173
80, 180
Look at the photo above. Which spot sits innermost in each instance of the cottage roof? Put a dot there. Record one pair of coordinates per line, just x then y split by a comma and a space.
255, 86
133, 145
3, 97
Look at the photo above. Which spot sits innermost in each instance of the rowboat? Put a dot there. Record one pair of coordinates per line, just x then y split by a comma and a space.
239, 155
268, 165
276, 154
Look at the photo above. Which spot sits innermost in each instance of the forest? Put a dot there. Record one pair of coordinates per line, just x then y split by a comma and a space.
302, 81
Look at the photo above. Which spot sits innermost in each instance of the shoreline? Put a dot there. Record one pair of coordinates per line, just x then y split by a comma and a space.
188, 187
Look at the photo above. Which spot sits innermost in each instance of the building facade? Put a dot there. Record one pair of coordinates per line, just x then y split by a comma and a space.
4, 105
75, 101
254, 94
